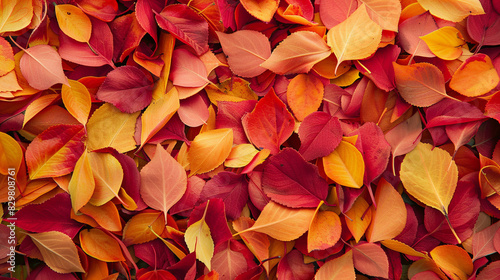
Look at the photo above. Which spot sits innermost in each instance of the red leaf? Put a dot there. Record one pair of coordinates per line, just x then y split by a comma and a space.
145, 13
292, 267
128, 88
483, 241
186, 25
370, 259
335, 12
270, 124
491, 271
380, 67
404, 137
215, 219
448, 112
187, 69
42, 67
319, 134
291, 181
485, 28
230, 115
127, 34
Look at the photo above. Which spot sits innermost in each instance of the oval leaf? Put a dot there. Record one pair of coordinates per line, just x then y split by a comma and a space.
101, 246
345, 165
453, 260
74, 22
77, 100
209, 150
41, 66
304, 95
476, 76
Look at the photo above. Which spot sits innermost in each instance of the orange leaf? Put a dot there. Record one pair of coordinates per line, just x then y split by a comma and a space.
489, 180
446, 42
38, 105
101, 246
389, 217
261, 9
15, 15
281, 222
452, 10
106, 216
209, 150
76, 99
7, 62
476, 76
257, 242
163, 181
137, 231
402, 248
74, 22
355, 38
323, 221
385, 13
345, 165
58, 251
108, 176
358, 218
454, 261
304, 95
11, 154
341, 268
235, 90
82, 183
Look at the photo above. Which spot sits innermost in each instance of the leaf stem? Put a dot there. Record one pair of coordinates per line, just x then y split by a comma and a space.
451, 227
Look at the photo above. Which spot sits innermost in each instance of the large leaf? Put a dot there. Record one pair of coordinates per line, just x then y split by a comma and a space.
370, 258
246, 50
74, 22
228, 261
42, 67
55, 151
163, 181
454, 261
384, 13
345, 165
446, 42
297, 53
139, 228
108, 176
15, 15
187, 69
209, 150
452, 10
304, 95
476, 76
484, 28
335, 12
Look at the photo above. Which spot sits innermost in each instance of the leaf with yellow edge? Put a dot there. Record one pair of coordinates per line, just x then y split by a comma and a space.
304, 95
101, 246
109, 127
341, 268
74, 22
430, 175
345, 165
452, 10
323, 221
76, 99
389, 217
446, 42
108, 175
58, 251
235, 90
137, 230
475, 77
454, 261
199, 240
11, 154
15, 15
402, 248
209, 150
282, 223
357, 37
82, 183
241, 155
358, 218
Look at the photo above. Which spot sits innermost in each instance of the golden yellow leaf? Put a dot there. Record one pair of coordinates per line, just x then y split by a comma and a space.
402, 248
476, 76
209, 150
109, 127
357, 37
452, 10
234, 90
199, 240
101, 246
82, 183
137, 231
345, 165
446, 42
11, 154
454, 261
323, 221
108, 175
304, 95
15, 15
358, 218
74, 22
241, 155
76, 99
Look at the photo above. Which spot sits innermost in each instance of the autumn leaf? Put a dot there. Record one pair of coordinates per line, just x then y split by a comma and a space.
485, 76
446, 42
453, 260
15, 15
46, 63
199, 240
323, 221
452, 10
99, 245
209, 150
74, 22
77, 100
345, 165
82, 184
339, 268
304, 95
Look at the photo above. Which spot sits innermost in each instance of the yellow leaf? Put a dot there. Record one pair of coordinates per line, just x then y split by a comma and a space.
74, 22
389, 215
235, 90
240, 155
101, 246
323, 221
476, 76
158, 113
199, 240
454, 261
108, 175
137, 231
345, 165
11, 154
358, 218
341, 268
109, 127
304, 95
402, 248
446, 42
58, 251
452, 10
346, 79
15, 15
282, 223
82, 184
76, 99
357, 37
209, 150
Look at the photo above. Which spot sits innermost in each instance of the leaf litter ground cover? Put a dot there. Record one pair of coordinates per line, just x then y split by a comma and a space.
204, 139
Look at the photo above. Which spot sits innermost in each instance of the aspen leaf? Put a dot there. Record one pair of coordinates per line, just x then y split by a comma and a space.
345, 165
108, 175
446, 42
101, 246
209, 150
199, 240
355, 38
476, 76
15, 15
304, 95
452, 10
341, 268
58, 251
323, 222
82, 183
73, 22
77, 101
281, 222
453, 260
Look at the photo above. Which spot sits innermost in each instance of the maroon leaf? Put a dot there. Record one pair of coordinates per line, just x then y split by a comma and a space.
380, 67
155, 253
144, 11
447, 112
485, 28
319, 134
215, 218
292, 267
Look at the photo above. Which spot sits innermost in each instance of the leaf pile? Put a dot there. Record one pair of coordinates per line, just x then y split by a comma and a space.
252, 139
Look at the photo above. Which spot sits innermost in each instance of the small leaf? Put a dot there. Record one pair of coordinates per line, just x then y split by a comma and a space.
345, 165
358, 218
187, 69
304, 95
73, 22
319, 134
82, 183
446, 42
209, 150
77, 100
108, 175
137, 230
262, 10
452, 10
370, 259
475, 77
323, 221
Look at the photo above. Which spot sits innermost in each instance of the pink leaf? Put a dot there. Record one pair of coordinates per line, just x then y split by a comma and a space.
144, 11
491, 271
187, 69
229, 116
335, 12
485, 29
186, 25
410, 31
483, 241
246, 50
319, 134
404, 137
380, 67
193, 111
41, 66
227, 261
128, 88
370, 259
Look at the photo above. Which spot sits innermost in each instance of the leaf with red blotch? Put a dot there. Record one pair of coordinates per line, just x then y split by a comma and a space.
163, 181
228, 261
335, 12
484, 28
127, 34
380, 67
246, 50
370, 258
319, 134
292, 267
462, 212
232, 188
412, 29
128, 88
374, 148
193, 111
230, 114
41, 66
483, 243
187, 69
101, 42
404, 137
297, 53
291, 181
186, 25
55, 151
269, 124
144, 11
215, 219
491, 271
52, 215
